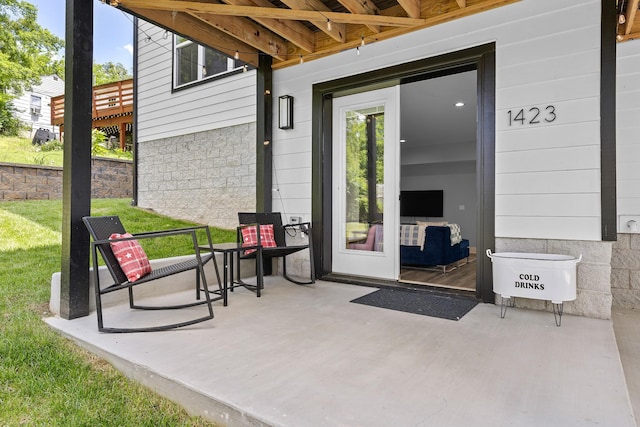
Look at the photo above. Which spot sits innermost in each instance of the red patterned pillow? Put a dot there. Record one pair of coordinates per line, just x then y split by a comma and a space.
131, 257
250, 237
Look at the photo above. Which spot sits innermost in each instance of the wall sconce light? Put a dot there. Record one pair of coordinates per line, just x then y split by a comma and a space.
285, 112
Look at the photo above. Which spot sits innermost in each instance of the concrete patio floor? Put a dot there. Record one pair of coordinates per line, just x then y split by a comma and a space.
306, 356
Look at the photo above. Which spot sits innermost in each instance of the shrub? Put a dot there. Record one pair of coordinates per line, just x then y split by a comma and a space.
98, 139
53, 145
100, 146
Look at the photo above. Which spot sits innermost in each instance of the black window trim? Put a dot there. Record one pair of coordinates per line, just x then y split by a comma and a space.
195, 83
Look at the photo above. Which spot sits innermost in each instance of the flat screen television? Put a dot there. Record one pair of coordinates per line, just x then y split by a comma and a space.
427, 203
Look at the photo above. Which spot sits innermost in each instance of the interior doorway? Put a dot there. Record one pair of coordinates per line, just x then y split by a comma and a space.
438, 180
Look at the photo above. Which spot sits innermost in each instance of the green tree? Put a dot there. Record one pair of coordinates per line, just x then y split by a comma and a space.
109, 72
27, 51
56, 67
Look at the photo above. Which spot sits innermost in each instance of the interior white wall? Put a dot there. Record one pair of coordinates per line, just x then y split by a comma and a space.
459, 192
547, 176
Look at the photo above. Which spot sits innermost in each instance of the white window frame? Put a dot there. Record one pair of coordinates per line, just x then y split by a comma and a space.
180, 43
35, 105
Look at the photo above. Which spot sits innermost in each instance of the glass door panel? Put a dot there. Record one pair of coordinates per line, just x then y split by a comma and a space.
364, 198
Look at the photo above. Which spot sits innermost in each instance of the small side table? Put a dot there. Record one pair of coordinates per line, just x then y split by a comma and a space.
228, 251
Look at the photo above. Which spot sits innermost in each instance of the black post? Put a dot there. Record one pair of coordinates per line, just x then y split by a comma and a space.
608, 191
76, 181
134, 125
263, 135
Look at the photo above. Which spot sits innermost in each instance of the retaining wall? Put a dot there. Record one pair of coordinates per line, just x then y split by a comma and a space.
110, 178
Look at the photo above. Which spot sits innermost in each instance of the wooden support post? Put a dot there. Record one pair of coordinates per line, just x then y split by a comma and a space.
76, 181
123, 135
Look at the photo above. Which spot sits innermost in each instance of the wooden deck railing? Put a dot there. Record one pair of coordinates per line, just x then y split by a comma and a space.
110, 100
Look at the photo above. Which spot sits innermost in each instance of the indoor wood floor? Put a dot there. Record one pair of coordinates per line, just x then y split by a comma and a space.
462, 277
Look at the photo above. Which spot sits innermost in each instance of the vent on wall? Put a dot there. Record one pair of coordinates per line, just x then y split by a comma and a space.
629, 224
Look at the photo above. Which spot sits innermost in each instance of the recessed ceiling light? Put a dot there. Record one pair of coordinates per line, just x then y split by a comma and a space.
459, 104
402, 141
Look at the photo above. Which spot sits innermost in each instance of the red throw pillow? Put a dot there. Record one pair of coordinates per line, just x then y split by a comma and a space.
250, 237
131, 257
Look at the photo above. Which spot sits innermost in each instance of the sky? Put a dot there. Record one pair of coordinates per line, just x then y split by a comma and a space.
112, 29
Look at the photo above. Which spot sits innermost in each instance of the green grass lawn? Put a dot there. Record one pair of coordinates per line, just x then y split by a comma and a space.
45, 379
21, 151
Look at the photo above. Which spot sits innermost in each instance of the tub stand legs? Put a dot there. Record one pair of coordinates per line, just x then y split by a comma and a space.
506, 302
504, 305
557, 312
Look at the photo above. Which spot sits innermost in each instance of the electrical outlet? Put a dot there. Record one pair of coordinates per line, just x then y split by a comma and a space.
295, 219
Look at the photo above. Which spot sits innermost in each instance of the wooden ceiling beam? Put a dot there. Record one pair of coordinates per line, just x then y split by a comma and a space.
275, 13
293, 31
630, 15
363, 7
298, 43
630, 36
247, 31
334, 30
443, 10
412, 7
198, 31
323, 48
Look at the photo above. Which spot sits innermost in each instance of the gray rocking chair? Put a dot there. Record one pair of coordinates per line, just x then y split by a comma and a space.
101, 228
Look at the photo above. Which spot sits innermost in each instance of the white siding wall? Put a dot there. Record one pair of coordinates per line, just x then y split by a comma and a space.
628, 128
49, 86
547, 52
22, 107
217, 104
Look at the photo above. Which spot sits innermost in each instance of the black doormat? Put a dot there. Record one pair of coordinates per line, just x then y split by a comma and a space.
419, 302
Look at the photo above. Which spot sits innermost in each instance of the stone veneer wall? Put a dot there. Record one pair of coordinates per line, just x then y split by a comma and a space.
110, 178
625, 271
206, 177
594, 297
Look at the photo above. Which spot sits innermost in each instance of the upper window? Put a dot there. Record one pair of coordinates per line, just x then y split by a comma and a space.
35, 104
194, 63
36, 101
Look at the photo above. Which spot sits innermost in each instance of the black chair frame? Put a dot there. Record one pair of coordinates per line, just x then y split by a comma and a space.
101, 228
252, 219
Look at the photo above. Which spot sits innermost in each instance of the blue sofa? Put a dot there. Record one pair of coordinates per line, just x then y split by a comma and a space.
437, 250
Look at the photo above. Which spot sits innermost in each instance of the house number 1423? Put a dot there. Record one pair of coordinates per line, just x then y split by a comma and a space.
532, 116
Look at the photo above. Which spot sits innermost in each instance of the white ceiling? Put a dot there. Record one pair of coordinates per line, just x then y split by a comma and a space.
436, 131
